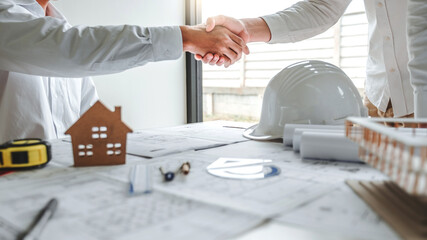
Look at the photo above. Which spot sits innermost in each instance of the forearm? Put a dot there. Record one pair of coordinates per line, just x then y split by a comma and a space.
417, 39
50, 47
304, 19
258, 29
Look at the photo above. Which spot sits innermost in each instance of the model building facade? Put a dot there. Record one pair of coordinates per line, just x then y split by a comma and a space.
99, 137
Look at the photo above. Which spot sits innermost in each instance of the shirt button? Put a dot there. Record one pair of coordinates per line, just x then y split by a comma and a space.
387, 38
392, 70
380, 4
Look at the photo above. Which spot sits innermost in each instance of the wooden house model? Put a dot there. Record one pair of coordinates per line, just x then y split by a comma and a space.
99, 137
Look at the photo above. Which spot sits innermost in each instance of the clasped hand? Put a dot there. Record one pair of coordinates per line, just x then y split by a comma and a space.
222, 41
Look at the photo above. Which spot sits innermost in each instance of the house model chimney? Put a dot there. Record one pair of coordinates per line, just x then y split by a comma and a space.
118, 111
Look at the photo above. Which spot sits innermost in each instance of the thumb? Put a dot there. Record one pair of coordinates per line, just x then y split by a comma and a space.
210, 24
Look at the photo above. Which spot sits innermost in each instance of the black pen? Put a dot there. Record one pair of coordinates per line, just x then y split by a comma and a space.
35, 229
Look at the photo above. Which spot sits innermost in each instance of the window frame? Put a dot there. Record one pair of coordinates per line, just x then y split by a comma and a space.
194, 88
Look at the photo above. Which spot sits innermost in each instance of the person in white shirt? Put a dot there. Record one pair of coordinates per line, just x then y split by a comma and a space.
417, 38
388, 90
44, 62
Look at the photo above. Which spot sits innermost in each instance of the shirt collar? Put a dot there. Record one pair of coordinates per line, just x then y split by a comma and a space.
24, 2
54, 12
32, 6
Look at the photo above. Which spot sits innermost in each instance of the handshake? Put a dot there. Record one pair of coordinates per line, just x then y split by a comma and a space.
222, 40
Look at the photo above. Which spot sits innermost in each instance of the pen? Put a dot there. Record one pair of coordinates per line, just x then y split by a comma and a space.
40, 221
3, 173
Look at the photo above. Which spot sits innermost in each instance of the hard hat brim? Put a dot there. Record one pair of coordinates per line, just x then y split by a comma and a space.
250, 133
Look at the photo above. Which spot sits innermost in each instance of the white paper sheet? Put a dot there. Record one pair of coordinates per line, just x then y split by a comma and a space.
264, 198
219, 131
323, 171
94, 207
340, 212
329, 146
152, 144
298, 183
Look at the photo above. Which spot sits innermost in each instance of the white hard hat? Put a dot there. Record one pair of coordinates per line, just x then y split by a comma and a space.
307, 92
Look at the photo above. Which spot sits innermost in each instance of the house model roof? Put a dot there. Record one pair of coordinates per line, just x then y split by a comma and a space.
99, 114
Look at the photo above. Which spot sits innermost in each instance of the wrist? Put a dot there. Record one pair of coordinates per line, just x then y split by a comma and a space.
258, 29
186, 40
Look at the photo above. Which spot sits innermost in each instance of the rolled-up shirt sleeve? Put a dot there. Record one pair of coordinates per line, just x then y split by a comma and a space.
304, 19
49, 46
417, 41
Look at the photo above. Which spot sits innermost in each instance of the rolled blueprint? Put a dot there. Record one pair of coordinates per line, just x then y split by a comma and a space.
288, 131
299, 131
328, 146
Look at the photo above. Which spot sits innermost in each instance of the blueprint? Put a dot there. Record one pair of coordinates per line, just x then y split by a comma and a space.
94, 202
219, 131
197, 136
294, 167
299, 182
92, 206
340, 212
153, 144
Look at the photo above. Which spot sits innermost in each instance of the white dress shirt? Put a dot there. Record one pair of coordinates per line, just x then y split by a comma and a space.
417, 37
387, 75
44, 62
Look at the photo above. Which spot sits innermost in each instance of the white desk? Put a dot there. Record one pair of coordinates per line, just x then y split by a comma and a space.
308, 200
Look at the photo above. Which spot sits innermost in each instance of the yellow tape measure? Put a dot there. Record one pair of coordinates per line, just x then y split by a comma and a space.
24, 154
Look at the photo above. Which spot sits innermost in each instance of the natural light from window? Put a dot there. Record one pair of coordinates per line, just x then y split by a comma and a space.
236, 93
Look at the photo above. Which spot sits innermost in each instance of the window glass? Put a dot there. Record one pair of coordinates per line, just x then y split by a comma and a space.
236, 93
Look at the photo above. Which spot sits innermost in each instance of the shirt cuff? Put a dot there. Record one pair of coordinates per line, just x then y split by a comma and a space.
420, 100
278, 28
167, 43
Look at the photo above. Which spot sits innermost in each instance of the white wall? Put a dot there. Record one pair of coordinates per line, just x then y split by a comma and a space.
152, 95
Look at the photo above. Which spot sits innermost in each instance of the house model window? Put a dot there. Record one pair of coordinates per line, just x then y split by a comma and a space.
99, 137
114, 149
99, 132
85, 150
